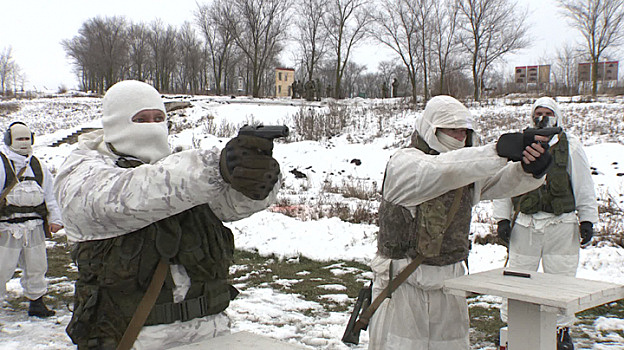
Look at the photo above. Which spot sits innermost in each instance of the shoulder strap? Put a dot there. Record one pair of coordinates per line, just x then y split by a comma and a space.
363, 320
145, 307
35, 165
9, 175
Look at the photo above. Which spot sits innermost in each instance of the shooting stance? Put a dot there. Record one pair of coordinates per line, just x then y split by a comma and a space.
543, 224
151, 249
424, 224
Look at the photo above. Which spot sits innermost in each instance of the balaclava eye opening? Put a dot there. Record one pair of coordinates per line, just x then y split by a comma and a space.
145, 141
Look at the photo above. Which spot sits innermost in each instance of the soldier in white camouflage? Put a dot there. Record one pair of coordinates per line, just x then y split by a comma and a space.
130, 204
443, 169
549, 225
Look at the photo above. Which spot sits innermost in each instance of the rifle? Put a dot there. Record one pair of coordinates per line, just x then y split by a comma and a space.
268, 132
352, 333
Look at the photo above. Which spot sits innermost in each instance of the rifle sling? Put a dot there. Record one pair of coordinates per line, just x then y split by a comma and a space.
145, 307
363, 320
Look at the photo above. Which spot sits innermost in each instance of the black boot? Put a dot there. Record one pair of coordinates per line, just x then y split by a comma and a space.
39, 309
564, 341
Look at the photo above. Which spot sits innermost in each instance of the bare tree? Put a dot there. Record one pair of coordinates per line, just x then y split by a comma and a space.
601, 22
100, 50
445, 41
424, 18
312, 35
139, 51
346, 24
7, 66
190, 54
164, 46
211, 19
259, 30
565, 70
397, 28
491, 29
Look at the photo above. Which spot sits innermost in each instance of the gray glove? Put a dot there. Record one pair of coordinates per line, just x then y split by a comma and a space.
246, 163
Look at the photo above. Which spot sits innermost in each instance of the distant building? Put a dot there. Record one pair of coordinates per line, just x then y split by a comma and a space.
284, 78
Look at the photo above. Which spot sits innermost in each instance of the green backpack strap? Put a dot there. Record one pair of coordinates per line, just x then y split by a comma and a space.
35, 165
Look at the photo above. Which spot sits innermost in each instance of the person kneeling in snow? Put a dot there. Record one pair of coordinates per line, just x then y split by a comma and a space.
139, 215
425, 213
29, 204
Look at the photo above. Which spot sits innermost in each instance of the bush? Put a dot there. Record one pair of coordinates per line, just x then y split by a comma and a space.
7, 108
311, 124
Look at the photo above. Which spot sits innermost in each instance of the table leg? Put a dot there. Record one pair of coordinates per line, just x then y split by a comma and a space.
530, 328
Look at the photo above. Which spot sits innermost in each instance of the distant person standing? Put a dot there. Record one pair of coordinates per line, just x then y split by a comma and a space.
28, 205
395, 88
543, 225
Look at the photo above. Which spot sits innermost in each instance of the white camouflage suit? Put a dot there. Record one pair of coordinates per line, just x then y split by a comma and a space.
23, 244
419, 316
552, 239
101, 200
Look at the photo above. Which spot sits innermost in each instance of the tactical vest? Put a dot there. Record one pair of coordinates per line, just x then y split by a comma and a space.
39, 211
402, 235
555, 195
114, 273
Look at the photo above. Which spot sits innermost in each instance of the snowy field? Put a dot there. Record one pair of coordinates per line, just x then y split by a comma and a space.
375, 129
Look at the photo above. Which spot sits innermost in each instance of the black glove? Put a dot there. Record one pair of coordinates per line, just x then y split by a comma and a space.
587, 232
247, 165
512, 145
504, 230
541, 165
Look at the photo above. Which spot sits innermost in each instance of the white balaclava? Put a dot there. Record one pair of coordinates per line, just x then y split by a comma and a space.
551, 104
146, 141
22, 147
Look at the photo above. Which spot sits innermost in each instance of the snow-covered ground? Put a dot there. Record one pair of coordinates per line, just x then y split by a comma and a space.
358, 156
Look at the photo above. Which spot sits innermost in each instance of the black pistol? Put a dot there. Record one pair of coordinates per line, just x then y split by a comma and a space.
530, 133
265, 131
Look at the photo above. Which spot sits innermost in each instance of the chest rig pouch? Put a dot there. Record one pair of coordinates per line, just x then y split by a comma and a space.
114, 273
556, 195
26, 193
27, 196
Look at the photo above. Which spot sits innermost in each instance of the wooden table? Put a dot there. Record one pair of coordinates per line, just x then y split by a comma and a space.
241, 341
535, 300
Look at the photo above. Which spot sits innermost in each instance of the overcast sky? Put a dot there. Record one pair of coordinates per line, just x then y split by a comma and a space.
35, 28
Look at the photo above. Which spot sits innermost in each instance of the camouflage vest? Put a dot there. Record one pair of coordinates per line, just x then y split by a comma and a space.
402, 235
556, 195
114, 273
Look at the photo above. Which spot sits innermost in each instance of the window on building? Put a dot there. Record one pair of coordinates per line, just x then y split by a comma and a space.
279, 89
279, 76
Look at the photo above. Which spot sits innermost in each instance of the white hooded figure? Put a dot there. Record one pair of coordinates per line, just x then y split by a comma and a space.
26, 205
545, 236
443, 158
123, 178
